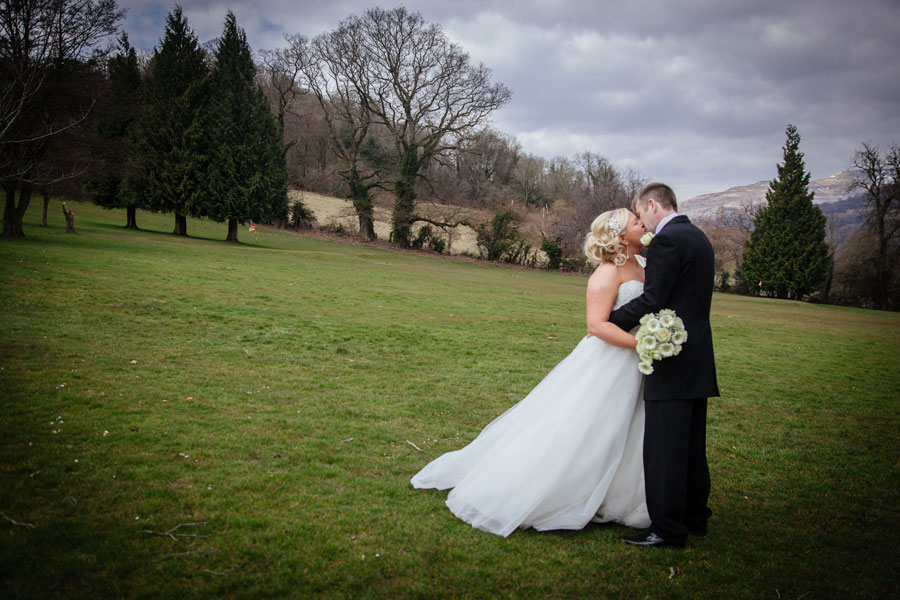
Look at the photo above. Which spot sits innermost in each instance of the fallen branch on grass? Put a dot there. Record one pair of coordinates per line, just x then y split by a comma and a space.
173, 555
171, 532
414, 446
241, 565
29, 525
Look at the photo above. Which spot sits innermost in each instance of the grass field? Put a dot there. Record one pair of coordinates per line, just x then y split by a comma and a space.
188, 418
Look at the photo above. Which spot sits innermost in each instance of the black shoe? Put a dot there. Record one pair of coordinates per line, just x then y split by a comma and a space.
648, 538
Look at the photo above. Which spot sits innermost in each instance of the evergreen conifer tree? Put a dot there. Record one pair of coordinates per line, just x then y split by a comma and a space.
115, 184
246, 177
786, 255
170, 141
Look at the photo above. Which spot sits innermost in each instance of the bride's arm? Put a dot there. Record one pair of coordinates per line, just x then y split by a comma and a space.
602, 289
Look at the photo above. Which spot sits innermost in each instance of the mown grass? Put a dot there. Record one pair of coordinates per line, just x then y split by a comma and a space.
279, 387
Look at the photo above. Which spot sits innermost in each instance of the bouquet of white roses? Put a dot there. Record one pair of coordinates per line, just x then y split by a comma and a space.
660, 335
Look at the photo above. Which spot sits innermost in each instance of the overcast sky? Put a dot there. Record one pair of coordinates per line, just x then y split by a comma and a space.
695, 93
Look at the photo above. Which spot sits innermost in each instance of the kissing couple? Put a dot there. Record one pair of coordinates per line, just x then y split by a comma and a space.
596, 440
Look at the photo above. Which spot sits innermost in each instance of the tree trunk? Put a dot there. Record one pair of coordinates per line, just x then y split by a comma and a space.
401, 223
46, 197
232, 231
9, 210
826, 293
405, 199
362, 202
881, 263
131, 219
13, 214
70, 219
367, 227
180, 225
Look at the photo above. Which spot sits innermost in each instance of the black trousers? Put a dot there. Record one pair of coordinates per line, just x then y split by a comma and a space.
676, 474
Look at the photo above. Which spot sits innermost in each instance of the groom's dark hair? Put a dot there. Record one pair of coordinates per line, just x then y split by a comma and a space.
660, 192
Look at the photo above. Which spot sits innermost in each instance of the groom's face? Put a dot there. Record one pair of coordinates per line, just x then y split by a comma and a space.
647, 214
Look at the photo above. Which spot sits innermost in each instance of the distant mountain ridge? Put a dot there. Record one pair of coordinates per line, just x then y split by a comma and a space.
844, 208
826, 191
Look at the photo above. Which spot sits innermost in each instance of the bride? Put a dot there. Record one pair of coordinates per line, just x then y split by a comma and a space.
571, 451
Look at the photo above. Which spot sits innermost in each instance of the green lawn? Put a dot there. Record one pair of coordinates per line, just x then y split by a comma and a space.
266, 397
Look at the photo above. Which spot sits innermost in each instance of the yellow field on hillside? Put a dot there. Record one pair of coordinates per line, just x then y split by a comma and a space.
332, 211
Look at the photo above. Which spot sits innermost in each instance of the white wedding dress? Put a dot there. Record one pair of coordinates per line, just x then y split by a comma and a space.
569, 453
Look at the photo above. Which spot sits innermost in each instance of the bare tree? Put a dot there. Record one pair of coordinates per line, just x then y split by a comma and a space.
347, 117
879, 176
485, 162
728, 232
421, 87
581, 189
738, 222
49, 51
605, 184
282, 71
528, 177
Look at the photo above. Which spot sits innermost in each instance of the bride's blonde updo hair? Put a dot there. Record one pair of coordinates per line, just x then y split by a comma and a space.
603, 243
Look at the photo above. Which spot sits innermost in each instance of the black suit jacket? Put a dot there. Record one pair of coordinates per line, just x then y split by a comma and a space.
679, 276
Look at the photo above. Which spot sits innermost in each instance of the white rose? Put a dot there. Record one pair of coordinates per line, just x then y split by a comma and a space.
645, 368
666, 318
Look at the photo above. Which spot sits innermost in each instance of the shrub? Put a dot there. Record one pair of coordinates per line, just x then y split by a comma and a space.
553, 251
301, 216
497, 238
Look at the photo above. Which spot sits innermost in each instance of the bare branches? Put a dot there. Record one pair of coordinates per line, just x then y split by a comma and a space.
283, 70
392, 69
38, 38
49, 81
345, 113
878, 175
442, 224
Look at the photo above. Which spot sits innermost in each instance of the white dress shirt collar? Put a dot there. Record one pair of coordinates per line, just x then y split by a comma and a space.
663, 223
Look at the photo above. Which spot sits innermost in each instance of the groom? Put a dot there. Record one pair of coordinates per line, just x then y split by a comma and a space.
679, 276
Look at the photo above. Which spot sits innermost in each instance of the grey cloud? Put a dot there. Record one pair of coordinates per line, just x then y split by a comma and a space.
697, 92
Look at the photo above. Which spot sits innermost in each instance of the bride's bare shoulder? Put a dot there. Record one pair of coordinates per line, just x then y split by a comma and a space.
605, 277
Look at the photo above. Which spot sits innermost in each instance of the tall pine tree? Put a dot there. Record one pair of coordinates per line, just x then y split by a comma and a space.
116, 183
245, 178
786, 255
170, 139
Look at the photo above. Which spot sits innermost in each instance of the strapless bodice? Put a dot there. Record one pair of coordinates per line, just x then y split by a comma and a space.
628, 291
